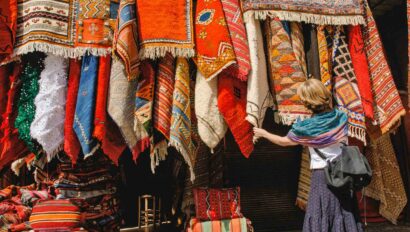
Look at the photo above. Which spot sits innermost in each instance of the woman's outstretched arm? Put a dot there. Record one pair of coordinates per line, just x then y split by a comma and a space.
276, 139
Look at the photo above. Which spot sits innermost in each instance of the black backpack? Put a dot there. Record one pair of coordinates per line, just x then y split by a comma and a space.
348, 171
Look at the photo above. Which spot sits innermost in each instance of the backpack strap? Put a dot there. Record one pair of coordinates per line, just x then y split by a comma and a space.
320, 154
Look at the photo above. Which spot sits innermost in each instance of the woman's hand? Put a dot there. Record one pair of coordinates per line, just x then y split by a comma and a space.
259, 133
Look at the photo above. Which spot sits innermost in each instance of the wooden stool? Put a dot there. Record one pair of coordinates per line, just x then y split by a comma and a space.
149, 212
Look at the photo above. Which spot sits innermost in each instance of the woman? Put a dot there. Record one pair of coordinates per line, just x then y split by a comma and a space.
326, 130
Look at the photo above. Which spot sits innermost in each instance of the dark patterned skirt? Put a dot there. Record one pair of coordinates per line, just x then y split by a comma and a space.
328, 210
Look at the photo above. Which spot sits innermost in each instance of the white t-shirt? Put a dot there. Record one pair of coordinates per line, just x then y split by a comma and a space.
330, 152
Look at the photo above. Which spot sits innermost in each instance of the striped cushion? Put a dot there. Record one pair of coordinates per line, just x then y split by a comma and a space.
228, 225
55, 215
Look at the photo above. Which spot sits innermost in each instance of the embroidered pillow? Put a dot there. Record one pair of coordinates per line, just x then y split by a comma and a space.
217, 204
52, 215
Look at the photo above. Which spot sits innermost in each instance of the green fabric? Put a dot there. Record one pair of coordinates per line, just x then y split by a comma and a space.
25, 104
226, 225
206, 226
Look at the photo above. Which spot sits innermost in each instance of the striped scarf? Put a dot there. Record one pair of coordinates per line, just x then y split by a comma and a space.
286, 74
237, 31
346, 91
388, 107
181, 124
143, 107
164, 88
85, 107
71, 143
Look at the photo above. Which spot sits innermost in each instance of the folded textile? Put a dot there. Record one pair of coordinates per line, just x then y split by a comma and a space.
25, 103
31, 197
144, 107
211, 124
173, 31
164, 88
324, 58
85, 106
322, 130
286, 74
125, 41
387, 184
361, 69
345, 84
105, 129
12, 147
388, 106
70, 29
48, 124
258, 96
304, 180
237, 32
298, 44
309, 11
181, 119
228, 225
8, 27
72, 146
232, 95
121, 102
213, 43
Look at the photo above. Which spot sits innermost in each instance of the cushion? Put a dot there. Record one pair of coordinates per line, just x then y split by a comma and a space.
55, 215
217, 204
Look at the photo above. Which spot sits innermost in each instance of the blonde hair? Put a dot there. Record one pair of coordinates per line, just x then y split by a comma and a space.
315, 95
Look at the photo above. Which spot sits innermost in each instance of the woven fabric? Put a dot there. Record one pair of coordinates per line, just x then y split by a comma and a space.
31, 197
346, 91
8, 27
25, 103
55, 215
387, 184
12, 147
298, 44
258, 96
121, 102
84, 110
286, 74
227, 225
309, 11
173, 31
232, 105
144, 107
237, 32
48, 124
212, 40
181, 124
216, 204
324, 58
126, 37
211, 124
361, 69
388, 106
305, 175
71, 143
5, 72
164, 88
105, 130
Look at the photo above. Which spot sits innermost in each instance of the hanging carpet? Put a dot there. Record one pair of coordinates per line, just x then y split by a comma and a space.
325, 57
286, 74
305, 175
173, 31
298, 44
331, 12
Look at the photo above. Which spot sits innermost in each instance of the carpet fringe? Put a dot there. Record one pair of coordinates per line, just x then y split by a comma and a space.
185, 155
158, 52
304, 17
60, 50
